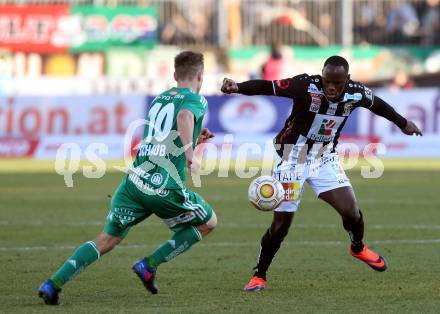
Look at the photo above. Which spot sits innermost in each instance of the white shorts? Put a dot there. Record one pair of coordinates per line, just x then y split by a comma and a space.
322, 174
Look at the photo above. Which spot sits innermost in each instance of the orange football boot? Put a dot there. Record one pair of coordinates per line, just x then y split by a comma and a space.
371, 258
255, 284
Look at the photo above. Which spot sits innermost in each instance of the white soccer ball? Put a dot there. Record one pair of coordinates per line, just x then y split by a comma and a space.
266, 193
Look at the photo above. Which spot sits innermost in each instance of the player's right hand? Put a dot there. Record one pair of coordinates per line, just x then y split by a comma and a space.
193, 166
192, 163
204, 136
229, 86
411, 128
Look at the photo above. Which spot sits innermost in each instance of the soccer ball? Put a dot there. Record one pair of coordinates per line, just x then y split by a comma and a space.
266, 193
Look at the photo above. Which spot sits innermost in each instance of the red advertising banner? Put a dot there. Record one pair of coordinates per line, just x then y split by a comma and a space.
33, 28
17, 147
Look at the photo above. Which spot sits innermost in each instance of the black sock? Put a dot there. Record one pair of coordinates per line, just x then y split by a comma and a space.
269, 247
356, 231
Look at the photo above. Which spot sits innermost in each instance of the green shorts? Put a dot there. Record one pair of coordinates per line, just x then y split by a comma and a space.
177, 208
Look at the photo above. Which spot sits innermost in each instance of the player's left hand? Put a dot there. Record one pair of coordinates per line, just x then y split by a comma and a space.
411, 128
204, 136
229, 86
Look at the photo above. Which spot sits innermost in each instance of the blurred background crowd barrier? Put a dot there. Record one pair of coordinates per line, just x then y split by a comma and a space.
76, 68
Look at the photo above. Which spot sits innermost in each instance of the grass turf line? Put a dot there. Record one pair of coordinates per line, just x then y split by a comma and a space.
303, 278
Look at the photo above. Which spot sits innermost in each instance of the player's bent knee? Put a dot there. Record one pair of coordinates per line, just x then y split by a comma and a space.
205, 229
105, 242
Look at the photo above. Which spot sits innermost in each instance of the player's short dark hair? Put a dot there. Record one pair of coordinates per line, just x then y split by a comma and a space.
187, 64
337, 61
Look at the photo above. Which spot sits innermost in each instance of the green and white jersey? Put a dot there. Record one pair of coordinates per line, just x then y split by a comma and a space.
160, 161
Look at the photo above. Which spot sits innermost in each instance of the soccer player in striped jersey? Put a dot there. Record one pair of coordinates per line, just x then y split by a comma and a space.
306, 149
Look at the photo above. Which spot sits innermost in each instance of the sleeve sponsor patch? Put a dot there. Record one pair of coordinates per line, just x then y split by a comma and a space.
368, 93
283, 84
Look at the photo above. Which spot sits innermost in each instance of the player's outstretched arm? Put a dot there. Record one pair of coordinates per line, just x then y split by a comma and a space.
383, 109
252, 87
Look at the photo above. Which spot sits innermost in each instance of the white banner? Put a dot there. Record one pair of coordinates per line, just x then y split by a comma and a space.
66, 116
421, 105
105, 147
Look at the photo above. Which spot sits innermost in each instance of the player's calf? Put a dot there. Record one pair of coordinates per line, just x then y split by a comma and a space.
184, 238
83, 256
271, 241
354, 225
105, 242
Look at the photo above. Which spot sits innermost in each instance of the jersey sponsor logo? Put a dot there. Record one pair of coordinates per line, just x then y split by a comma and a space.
144, 187
137, 171
314, 107
162, 192
292, 191
326, 127
332, 107
123, 215
323, 128
156, 178
313, 89
182, 218
368, 93
287, 176
347, 109
355, 97
164, 97
283, 84
316, 102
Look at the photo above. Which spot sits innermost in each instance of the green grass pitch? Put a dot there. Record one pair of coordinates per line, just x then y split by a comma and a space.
41, 221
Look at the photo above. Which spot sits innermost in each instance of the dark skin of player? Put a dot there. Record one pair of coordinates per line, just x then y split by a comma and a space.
343, 199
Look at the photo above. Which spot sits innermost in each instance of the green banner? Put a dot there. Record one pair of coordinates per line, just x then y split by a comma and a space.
104, 27
320, 53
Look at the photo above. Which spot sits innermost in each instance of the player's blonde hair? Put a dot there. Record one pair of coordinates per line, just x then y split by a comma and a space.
187, 64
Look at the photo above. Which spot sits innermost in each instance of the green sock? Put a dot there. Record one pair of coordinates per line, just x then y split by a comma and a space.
179, 243
83, 256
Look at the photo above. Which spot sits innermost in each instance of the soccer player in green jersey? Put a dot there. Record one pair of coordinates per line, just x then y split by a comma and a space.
155, 183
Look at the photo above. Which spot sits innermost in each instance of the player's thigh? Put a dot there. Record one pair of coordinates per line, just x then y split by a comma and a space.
126, 211
328, 175
182, 207
292, 179
343, 200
